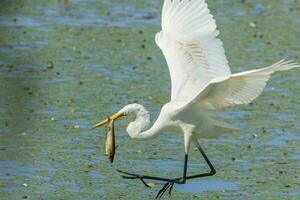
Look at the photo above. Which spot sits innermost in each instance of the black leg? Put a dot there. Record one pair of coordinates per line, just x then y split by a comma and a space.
141, 177
170, 182
212, 169
169, 185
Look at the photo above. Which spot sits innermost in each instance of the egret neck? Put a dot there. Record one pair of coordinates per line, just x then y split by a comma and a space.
140, 127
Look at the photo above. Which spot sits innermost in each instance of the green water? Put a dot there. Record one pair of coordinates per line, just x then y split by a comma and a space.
104, 57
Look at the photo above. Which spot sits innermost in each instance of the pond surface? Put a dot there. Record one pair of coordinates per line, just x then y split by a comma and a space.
64, 65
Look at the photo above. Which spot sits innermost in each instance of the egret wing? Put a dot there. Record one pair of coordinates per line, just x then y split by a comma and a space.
240, 88
190, 45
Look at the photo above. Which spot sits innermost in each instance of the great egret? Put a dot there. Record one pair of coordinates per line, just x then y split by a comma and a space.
201, 80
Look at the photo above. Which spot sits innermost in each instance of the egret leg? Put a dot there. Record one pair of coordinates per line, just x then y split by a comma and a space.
169, 185
212, 169
170, 182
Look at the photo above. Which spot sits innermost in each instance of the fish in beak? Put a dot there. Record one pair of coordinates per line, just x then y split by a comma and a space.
110, 144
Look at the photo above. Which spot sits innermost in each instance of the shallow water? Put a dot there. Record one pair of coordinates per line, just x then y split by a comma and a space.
99, 65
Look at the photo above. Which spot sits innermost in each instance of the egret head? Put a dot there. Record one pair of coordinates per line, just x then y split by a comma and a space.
130, 109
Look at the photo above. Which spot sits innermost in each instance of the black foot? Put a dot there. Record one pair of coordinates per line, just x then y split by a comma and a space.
133, 176
168, 186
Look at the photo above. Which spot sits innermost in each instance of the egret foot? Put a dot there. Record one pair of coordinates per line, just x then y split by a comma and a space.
134, 176
169, 183
169, 186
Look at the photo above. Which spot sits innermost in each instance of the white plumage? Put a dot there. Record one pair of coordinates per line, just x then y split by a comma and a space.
189, 42
202, 83
240, 88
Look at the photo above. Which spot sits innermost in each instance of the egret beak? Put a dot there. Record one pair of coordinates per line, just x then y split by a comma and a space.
113, 117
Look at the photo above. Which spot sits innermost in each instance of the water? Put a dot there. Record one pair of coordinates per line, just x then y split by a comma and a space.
205, 186
47, 150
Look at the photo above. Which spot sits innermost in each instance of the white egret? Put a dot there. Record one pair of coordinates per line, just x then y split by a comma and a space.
202, 83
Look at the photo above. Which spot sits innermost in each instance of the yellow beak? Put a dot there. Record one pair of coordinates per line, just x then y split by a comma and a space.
113, 117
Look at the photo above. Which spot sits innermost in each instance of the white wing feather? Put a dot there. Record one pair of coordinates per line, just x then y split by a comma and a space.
240, 88
193, 53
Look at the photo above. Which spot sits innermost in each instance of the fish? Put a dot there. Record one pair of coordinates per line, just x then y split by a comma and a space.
110, 143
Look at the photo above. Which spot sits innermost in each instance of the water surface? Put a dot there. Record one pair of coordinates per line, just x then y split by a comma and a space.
104, 56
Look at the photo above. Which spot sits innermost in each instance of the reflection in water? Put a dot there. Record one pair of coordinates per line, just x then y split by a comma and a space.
206, 185
296, 157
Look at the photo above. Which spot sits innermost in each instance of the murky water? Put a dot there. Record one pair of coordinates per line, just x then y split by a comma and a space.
67, 64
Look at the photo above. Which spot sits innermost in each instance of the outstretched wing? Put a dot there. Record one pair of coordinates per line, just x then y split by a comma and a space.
240, 88
190, 45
